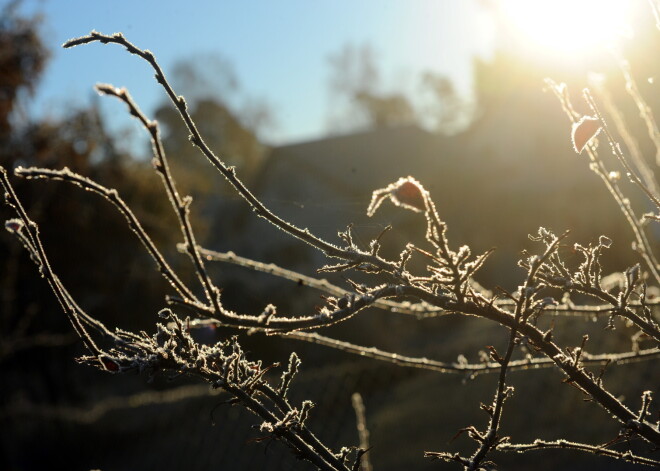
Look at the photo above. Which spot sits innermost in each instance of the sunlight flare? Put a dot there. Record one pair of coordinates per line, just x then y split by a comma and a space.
569, 28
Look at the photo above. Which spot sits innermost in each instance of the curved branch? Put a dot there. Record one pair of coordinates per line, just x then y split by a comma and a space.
28, 233
111, 195
331, 250
180, 205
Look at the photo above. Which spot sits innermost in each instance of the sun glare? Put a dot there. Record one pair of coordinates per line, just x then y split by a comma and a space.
570, 28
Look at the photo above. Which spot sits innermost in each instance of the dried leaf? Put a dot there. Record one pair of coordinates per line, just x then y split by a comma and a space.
410, 194
109, 364
405, 192
14, 225
584, 131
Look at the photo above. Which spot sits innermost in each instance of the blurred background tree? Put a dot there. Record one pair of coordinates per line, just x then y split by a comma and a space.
77, 229
359, 99
232, 129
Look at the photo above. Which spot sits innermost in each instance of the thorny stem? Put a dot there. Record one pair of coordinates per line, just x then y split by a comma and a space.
490, 439
483, 308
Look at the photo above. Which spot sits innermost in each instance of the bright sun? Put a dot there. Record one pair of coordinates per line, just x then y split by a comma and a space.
570, 28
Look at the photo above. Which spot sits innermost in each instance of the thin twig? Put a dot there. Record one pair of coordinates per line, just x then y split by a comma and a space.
180, 205
363, 431
471, 369
629, 140
645, 111
229, 173
29, 235
278, 323
112, 196
643, 245
565, 444
418, 310
616, 150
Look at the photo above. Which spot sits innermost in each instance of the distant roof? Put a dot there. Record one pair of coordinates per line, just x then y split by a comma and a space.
349, 161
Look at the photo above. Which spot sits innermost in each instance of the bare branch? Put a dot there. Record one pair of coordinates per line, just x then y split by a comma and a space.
363, 431
112, 196
471, 369
568, 445
616, 149
180, 205
419, 310
597, 166
229, 173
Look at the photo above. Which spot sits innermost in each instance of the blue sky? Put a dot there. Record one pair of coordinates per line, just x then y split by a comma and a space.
279, 49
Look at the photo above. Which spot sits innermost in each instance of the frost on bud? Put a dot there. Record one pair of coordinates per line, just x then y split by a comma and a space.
605, 241
584, 131
14, 225
109, 364
614, 176
406, 192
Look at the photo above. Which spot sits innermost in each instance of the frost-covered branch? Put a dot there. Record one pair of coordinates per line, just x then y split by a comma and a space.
583, 447
462, 366
609, 179
351, 254
446, 286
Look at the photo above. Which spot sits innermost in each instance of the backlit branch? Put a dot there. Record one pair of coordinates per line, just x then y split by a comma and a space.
112, 196
568, 445
470, 369
180, 205
352, 254
446, 286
